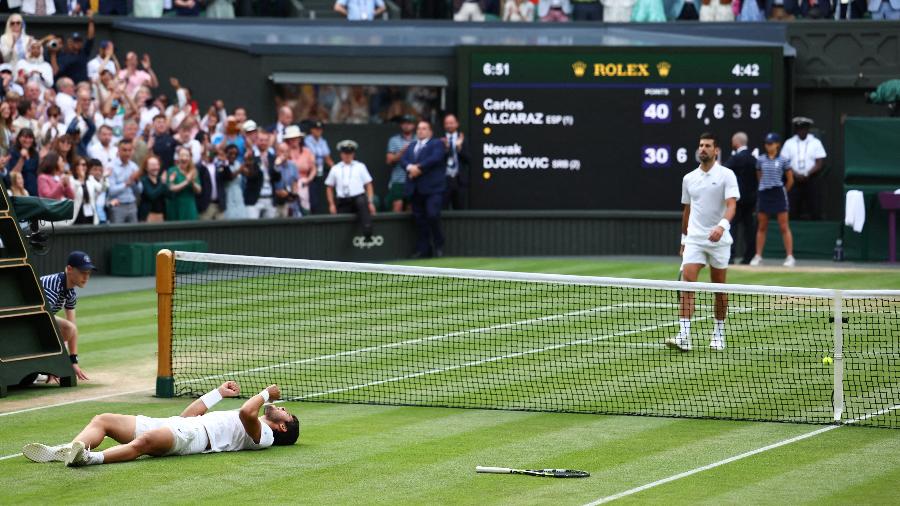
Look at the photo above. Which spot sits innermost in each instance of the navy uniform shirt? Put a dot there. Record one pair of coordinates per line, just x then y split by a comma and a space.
56, 293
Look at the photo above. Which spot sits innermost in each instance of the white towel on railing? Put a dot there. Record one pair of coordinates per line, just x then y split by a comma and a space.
855, 210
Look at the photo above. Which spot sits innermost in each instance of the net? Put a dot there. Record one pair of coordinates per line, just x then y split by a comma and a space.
399, 335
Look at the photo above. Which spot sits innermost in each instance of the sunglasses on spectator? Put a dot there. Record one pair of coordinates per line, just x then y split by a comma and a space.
15, 22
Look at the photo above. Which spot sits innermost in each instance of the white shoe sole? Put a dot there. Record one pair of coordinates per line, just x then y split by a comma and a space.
75, 455
675, 345
37, 452
717, 346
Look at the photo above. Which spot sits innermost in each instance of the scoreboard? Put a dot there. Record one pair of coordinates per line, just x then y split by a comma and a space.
607, 128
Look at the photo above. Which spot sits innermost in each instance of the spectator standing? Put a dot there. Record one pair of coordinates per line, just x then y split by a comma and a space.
885, 9
161, 143
349, 188
103, 148
64, 147
52, 183
554, 11
97, 185
130, 133
455, 143
229, 178
34, 68
468, 10
806, 157
135, 77
154, 191
124, 186
208, 198
305, 161
231, 135
84, 214
648, 11
359, 10
27, 116
286, 198
395, 148
587, 10
38, 7
285, 119
260, 178
65, 98
53, 128
6, 129
14, 42
24, 159
220, 9
425, 162
772, 170
105, 60
518, 11
319, 146
743, 226
149, 8
187, 7
71, 59
184, 183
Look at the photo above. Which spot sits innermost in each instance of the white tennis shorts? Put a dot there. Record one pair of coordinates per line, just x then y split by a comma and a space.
714, 256
190, 435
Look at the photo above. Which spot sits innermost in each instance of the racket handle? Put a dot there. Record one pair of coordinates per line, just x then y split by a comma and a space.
495, 470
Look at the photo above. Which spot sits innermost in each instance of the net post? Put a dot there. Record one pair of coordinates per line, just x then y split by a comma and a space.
838, 356
165, 287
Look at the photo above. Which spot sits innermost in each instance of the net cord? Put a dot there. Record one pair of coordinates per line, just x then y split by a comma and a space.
407, 270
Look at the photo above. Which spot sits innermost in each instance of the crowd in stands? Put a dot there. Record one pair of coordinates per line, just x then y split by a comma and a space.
619, 11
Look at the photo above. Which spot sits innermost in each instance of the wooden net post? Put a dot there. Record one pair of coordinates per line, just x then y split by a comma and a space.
165, 287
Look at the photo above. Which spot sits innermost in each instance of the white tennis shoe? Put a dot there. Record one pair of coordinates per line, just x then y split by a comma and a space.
756, 261
717, 342
790, 261
679, 342
37, 452
77, 455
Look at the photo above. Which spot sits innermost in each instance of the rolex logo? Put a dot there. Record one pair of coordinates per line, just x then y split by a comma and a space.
579, 68
663, 68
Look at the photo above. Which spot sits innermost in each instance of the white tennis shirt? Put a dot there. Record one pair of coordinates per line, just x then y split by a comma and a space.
706, 193
226, 433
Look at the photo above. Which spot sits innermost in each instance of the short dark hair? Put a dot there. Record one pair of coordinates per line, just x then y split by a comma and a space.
709, 136
93, 162
289, 436
23, 106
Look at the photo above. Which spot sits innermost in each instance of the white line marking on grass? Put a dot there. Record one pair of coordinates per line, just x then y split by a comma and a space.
735, 458
11, 456
67, 403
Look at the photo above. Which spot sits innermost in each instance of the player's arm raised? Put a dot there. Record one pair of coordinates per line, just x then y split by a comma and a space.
249, 413
202, 405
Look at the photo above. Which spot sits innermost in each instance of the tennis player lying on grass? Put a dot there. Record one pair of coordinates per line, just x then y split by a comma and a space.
196, 430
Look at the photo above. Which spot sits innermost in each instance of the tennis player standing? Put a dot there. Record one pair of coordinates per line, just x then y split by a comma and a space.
709, 194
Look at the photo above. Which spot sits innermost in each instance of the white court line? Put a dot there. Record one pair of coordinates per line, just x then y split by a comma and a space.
14, 455
734, 458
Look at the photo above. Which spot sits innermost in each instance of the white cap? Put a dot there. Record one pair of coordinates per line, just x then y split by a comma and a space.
249, 125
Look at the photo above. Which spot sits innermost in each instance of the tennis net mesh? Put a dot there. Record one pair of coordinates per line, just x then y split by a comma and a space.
399, 335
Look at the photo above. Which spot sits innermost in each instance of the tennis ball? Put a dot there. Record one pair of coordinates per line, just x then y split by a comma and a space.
827, 360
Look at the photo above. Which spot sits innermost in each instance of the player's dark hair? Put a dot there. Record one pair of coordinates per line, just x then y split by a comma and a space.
289, 436
709, 136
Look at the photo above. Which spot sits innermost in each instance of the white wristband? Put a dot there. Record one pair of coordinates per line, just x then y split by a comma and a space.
265, 394
725, 224
683, 238
212, 398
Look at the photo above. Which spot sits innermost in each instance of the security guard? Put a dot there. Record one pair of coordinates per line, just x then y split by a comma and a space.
349, 189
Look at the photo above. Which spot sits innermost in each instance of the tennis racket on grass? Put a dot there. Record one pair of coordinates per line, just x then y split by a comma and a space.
547, 473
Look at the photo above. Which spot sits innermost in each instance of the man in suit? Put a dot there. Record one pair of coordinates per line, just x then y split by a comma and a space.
285, 119
457, 164
743, 164
426, 164
261, 176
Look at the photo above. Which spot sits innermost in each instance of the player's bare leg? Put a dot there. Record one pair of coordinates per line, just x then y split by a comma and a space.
686, 310
119, 427
718, 338
156, 442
